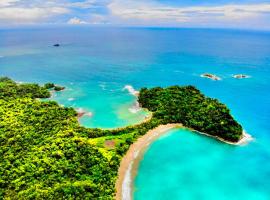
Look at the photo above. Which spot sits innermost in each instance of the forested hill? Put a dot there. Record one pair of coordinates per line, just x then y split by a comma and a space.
188, 106
46, 154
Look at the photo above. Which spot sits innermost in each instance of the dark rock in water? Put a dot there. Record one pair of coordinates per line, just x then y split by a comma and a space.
49, 85
81, 113
211, 76
240, 76
58, 88
56, 45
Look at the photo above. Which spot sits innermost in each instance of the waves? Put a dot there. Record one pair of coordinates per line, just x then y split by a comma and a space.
71, 99
102, 85
126, 186
131, 90
135, 108
81, 113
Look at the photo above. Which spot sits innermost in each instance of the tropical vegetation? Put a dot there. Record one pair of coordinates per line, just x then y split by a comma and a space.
46, 154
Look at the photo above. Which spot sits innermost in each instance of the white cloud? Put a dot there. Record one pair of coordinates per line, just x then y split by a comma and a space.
132, 12
4, 3
156, 12
98, 19
83, 4
75, 21
29, 15
53, 11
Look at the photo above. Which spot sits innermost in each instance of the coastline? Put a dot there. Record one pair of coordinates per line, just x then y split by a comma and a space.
244, 140
130, 161
146, 119
128, 168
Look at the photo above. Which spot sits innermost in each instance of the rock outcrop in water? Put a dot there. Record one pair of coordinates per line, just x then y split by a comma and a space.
240, 76
81, 112
211, 76
54, 87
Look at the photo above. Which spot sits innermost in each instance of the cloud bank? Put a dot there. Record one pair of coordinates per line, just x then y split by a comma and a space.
139, 12
151, 12
76, 20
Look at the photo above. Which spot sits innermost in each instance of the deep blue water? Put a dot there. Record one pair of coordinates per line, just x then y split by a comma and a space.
96, 63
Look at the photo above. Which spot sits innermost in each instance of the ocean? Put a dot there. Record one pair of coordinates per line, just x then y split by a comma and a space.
96, 64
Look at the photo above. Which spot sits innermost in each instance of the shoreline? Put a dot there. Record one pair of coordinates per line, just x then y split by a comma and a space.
244, 140
146, 119
130, 162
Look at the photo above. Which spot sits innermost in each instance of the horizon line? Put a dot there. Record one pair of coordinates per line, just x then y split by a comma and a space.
50, 25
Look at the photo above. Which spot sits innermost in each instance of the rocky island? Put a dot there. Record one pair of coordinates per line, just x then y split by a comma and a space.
211, 76
54, 87
47, 154
240, 76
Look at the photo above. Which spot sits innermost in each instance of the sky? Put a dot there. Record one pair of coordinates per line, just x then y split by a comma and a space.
247, 14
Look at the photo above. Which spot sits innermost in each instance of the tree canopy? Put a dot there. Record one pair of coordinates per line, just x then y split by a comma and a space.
46, 154
188, 106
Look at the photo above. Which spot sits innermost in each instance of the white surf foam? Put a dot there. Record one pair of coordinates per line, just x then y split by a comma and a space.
135, 108
126, 185
131, 90
84, 112
102, 85
247, 138
71, 99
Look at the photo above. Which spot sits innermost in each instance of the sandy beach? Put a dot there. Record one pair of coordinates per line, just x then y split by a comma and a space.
130, 161
129, 164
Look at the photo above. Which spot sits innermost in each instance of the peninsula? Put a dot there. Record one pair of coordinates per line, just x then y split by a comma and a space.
47, 154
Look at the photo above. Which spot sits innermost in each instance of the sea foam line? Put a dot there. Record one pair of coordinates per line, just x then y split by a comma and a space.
81, 112
135, 108
126, 186
131, 90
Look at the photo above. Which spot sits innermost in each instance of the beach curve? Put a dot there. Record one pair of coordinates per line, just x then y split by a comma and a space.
130, 161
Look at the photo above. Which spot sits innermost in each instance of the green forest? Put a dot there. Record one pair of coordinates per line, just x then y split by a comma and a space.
46, 154
189, 106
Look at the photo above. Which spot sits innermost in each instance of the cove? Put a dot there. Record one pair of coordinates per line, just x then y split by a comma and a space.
184, 165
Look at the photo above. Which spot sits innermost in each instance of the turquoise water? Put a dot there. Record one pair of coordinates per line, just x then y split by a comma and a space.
184, 165
110, 104
95, 64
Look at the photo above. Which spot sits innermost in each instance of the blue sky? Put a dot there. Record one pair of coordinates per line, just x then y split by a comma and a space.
251, 14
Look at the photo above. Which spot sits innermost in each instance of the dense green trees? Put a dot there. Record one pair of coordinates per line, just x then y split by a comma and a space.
11, 89
188, 106
49, 85
53, 86
46, 154
58, 88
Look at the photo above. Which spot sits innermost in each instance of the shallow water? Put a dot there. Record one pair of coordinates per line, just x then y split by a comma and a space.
95, 64
184, 165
